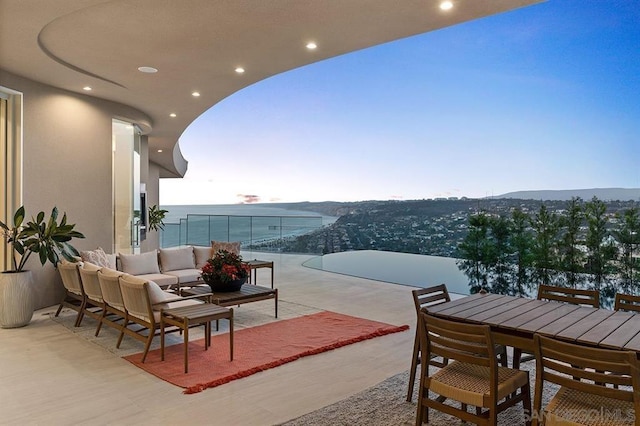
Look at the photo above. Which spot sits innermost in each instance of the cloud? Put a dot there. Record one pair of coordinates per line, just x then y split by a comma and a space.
248, 199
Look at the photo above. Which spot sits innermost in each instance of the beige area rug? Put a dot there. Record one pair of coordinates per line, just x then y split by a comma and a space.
385, 404
246, 316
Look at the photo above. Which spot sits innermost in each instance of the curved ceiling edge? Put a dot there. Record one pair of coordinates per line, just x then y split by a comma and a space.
50, 54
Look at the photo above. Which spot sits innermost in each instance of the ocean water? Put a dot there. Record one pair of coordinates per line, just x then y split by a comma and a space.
247, 223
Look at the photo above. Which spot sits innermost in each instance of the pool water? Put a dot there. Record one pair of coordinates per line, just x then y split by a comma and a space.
398, 268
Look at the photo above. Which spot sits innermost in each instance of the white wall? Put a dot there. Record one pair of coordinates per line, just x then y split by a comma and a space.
67, 163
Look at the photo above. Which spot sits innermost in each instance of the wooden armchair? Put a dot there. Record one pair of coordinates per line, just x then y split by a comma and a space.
473, 378
597, 386
143, 302
75, 297
114, 311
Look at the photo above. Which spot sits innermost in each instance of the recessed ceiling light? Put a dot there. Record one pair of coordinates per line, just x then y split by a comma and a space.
159, 150
148, 70
240, 70
311, 45
173, 114
87, 88
446, 5
195, 94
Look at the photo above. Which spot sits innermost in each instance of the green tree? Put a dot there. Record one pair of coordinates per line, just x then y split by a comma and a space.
499, 255
628, 236
545, 227
571, 258
474, 252
600, 251
521, 242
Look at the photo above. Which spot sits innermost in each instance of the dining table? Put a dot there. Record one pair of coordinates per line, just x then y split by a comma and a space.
514, 321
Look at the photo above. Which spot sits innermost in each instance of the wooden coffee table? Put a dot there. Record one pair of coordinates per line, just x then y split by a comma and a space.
186, 316
247, 293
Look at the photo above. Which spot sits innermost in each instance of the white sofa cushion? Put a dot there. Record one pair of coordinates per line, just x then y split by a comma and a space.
176, 259
163, 280
139, 264
186, 275
202, 254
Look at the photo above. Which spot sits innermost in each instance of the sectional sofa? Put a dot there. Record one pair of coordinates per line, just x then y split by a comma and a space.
166, 267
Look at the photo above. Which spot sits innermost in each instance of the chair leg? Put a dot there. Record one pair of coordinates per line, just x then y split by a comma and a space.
148, 345
59, 309
102, 317
414, 367
125, 323
83, 305
526, 403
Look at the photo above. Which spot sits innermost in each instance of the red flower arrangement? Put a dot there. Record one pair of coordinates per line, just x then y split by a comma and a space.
225, 267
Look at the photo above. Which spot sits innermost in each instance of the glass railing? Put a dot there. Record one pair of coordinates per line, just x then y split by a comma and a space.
265, 233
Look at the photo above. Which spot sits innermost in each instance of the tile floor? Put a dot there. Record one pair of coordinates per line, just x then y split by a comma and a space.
49, 375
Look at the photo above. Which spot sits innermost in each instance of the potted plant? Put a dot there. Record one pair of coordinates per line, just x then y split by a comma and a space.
156, 218
50, 240
225, 271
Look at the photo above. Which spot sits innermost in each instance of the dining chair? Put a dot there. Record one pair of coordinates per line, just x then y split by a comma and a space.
596, 386
627, 302
424, 298
472, 377
573, 296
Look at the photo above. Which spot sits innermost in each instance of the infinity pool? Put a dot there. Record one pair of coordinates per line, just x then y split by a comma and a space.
398, 268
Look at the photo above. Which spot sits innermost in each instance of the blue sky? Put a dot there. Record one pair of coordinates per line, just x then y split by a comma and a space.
544, 97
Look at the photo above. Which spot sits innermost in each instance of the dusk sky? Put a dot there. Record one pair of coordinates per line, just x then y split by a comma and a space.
543, 97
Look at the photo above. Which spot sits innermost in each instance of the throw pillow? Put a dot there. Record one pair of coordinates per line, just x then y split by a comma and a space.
97, 257
176, 259
156, 295
202, 255
140, 264
232, 247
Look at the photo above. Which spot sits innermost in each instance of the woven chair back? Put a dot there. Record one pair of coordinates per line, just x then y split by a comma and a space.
110, 287
71, 277
91, 284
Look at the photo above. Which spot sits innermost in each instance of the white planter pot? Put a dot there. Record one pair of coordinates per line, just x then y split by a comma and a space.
16, 299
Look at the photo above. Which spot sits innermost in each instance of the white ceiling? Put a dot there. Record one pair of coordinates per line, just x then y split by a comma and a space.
197, 44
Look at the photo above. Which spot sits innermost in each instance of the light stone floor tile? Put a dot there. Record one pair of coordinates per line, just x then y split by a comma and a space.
54, 376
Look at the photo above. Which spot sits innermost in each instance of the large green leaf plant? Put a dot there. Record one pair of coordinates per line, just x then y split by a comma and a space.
49, 239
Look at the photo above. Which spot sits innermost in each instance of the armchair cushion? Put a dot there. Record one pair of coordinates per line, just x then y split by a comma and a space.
140, 264
177, 258
202, 254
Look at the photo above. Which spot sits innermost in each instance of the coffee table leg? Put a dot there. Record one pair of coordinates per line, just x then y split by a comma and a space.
231, 334
186, 346
161, 337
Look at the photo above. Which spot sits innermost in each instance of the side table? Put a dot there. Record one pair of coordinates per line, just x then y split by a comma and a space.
186, 316
256, 264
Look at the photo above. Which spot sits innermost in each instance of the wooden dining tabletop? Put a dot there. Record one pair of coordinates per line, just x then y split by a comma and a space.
514, 320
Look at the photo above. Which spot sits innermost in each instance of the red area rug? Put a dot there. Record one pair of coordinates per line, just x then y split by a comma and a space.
259, 348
